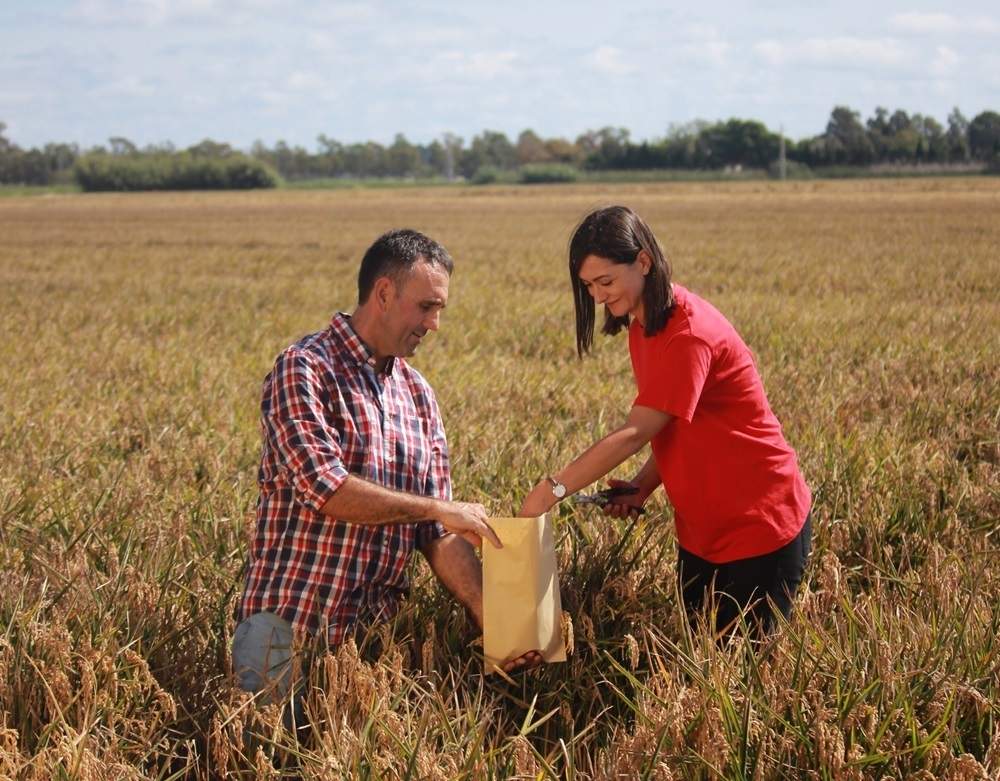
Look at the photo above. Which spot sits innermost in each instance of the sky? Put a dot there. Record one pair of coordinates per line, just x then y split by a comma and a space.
241, 70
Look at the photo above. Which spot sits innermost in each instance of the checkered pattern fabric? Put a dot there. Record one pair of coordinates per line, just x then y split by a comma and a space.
326, 414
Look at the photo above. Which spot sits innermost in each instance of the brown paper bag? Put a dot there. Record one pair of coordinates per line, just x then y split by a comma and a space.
522, 610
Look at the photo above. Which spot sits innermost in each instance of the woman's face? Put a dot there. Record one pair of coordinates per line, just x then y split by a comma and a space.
616, 285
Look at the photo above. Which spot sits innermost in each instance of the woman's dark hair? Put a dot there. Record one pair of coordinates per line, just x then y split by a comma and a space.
618, 234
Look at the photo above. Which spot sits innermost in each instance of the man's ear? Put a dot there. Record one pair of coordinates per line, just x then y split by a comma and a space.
384, 293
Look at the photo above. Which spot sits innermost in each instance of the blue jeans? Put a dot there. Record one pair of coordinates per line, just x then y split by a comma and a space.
262, 661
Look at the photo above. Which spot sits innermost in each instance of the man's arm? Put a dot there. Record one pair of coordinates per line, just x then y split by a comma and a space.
358, 501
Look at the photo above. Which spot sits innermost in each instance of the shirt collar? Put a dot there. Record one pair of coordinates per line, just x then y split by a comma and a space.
352, 344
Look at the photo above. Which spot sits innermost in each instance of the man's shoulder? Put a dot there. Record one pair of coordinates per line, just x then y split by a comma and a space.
313, 354
315, 346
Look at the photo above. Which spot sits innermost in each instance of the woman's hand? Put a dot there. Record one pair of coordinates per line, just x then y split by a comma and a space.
629, 505
538, 502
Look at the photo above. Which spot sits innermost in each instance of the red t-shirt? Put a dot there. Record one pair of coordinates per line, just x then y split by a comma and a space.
732, 479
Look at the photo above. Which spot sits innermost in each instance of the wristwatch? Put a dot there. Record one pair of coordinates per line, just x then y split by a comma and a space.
558, 489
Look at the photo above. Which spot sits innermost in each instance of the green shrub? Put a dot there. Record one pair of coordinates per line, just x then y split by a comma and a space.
486, 174
548, 173
182, 171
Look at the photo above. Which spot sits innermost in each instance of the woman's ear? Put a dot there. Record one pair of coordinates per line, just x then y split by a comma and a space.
645, 261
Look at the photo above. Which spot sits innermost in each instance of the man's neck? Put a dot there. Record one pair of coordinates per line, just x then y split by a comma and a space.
366, 327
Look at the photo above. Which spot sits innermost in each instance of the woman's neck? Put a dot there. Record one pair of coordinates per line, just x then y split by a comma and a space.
639, 314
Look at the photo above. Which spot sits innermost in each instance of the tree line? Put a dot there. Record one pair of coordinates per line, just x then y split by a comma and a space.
884, 138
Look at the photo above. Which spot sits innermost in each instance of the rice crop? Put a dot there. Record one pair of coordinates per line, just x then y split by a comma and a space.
136, 330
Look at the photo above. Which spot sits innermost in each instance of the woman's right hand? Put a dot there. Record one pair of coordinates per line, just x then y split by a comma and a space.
629, 505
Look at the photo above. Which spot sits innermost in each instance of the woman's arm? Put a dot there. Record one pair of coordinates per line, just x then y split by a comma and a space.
642, 425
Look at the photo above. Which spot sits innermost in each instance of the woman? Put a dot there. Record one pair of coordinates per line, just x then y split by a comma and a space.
741, 506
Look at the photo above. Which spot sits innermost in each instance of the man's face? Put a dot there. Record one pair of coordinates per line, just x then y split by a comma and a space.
414, 308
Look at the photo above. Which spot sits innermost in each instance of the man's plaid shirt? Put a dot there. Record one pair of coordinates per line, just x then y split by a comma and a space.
326, 413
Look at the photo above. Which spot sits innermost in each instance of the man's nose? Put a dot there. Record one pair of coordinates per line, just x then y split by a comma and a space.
433, 320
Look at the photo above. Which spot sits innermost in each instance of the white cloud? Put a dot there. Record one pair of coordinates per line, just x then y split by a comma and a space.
305, 82
127, 87
837, 52
489, 64
150, 13
608, 59
984, 24
478, 65
942, 24
945, 61
712, 52
924, 23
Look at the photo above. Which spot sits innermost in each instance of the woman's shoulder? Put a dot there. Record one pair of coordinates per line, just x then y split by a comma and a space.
701, 317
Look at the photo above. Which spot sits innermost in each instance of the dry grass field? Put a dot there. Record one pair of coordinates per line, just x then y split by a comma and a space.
136, 330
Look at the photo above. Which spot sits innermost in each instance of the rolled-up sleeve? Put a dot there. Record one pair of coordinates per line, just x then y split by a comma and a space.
438, 483
298, 428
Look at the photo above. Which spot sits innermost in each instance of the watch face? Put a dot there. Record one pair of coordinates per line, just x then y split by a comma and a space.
559, 490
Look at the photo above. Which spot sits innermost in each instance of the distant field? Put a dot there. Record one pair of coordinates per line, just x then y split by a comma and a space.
136, 332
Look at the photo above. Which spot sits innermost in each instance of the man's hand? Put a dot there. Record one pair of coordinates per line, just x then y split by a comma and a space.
629, 505
468, 521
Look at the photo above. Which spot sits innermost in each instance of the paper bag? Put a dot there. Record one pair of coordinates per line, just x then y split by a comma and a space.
522, 610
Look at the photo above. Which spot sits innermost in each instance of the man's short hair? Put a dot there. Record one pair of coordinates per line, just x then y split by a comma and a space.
394, 254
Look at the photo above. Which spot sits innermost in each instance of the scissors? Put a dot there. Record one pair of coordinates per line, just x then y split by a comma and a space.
607, 496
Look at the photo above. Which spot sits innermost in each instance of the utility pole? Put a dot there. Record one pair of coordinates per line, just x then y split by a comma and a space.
451, 144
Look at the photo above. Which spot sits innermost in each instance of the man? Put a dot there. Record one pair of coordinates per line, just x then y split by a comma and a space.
354, 473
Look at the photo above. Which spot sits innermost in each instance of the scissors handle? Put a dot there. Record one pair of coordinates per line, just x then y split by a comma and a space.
607, 496
619, 490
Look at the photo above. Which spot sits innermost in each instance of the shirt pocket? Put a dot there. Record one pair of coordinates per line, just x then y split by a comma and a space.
411, 448
359, 423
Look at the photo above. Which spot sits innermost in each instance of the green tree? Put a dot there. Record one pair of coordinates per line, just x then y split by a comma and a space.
846, 139
531, 149
958, 136
984, 136
604, 148
934, 145
402, 158
489, 149
121, 146
562, 151
740, 142
331, 155
211, 149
